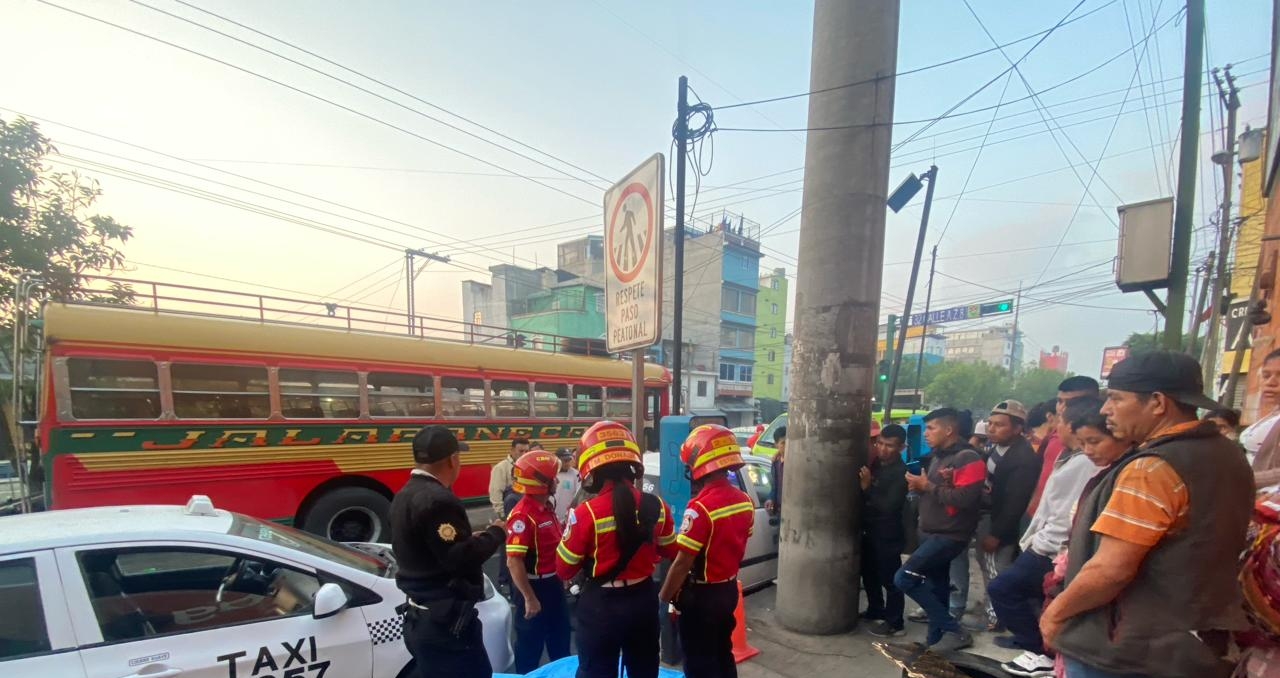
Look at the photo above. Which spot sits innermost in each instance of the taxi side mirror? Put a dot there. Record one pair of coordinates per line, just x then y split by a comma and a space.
330, 600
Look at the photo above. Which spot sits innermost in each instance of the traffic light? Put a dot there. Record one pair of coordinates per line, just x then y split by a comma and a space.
996, 307
883, 368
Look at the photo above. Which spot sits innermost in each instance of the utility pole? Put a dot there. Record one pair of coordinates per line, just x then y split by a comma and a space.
1197, 313
410, 274
677, 299
905, 321
1014, 354
1231, 100
890, 349
1185, 201
924, 327
838, 285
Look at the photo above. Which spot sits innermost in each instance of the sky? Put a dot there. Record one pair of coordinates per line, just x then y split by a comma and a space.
317, 187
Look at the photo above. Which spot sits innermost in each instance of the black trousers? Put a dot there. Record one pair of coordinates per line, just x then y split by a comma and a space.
615, 623
548, 629
880, 562
437, 653
706, 629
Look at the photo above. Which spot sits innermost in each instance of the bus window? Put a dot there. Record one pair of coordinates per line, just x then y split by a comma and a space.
653, 402
219, 391
618, 405
319, 394
551, 401
588, 401
401, 395
460, 397
114, 389
510, 398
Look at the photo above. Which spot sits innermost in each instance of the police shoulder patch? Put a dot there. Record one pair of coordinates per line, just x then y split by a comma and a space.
447, 532
689, 516
517, 526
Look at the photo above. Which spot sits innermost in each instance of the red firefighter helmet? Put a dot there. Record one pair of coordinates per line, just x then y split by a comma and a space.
606, 442
535, 472
710, 448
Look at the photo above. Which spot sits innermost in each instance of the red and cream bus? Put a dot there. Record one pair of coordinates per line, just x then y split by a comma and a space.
291, 422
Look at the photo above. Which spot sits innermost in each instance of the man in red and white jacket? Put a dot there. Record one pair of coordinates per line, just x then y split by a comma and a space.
949, 505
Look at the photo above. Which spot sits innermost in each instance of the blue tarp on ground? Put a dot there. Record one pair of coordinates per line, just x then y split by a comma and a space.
568, 667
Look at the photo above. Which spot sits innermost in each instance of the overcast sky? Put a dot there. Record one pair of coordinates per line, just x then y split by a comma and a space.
593, 84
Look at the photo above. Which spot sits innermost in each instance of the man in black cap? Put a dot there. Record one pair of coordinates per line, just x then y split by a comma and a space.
439, 559
1151, 578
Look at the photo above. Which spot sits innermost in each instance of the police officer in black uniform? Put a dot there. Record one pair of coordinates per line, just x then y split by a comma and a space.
439, 559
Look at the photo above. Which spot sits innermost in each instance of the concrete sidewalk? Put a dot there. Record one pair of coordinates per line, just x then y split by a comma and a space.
787, 654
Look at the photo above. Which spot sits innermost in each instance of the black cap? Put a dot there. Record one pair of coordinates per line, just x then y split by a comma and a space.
1172, 373
436, 443
565, 453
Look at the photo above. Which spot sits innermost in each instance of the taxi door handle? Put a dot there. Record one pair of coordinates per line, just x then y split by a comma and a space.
155, 671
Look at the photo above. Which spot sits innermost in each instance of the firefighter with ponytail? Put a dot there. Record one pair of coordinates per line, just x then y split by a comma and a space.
533, 533
702, 582
615, 539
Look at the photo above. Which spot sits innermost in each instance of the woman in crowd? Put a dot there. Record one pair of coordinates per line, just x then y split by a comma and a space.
1260, 438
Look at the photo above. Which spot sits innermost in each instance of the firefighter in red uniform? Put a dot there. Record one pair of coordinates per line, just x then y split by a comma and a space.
533, 533
616, 539
702, 581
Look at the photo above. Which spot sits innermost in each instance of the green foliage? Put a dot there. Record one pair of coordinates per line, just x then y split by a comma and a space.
1143, 342
47, 228
972, 386
1036, 385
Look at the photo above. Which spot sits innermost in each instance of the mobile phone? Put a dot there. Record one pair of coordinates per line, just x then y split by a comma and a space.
913, 467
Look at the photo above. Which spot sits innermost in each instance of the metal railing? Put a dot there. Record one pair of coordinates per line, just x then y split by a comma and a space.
164, 297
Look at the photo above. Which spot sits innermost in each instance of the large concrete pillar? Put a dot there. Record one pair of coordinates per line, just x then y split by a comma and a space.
837, 311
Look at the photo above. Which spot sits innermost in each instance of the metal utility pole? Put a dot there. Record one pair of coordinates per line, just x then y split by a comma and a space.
837, 310
410, 275
677, 299
1197, 313
905, 321
1185, 201
1014, 354
924, 327
1230, 99
890, 349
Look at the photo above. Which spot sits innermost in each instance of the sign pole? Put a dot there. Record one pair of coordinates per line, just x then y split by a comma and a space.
932, 176
637, 397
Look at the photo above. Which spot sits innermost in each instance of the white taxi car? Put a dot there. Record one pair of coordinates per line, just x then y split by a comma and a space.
162, 591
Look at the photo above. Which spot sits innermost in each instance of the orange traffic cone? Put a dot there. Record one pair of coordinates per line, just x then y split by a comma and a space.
742, 651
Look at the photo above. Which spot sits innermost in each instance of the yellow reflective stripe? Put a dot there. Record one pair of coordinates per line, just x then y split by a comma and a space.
568, 556
668, 540
606, 524
517, 548
716, 454
685, 541
732, 510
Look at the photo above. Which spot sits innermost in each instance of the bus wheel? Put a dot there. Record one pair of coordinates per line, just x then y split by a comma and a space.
350, 514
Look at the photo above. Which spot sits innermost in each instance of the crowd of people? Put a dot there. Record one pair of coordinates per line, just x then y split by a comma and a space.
1106, 527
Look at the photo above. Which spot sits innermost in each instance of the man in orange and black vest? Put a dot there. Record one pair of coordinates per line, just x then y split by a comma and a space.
702, 581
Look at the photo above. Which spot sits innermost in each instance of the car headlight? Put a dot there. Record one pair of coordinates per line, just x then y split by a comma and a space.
489, 590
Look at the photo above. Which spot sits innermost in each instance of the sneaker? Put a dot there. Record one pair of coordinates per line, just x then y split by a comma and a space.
886, 630
952, 641
1029, 665
919, 617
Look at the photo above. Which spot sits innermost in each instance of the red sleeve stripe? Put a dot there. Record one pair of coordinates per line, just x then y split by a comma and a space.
971, 474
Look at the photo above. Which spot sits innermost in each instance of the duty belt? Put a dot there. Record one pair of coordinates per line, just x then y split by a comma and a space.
548, 575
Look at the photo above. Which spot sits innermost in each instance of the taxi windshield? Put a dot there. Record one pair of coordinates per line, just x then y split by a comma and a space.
310, 544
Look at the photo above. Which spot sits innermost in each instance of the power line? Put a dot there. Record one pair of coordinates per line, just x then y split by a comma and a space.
920, 69
317, 97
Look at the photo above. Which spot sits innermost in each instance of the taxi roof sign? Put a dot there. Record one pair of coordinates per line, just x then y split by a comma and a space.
200, 505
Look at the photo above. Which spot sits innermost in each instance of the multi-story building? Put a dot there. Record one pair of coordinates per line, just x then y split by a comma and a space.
721, 284
771, 336
786, 370
1244, 266
490, 304
583, 257
935, 344
570, 311
990, 345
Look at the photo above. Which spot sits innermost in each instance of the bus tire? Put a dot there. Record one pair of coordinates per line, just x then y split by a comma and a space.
350, 514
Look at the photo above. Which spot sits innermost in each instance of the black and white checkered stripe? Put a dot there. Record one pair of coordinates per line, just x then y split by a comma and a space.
386, 630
